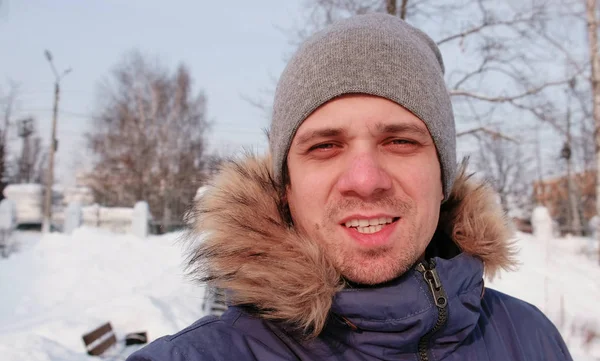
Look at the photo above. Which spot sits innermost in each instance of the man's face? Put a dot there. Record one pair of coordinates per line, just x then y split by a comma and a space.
365, 182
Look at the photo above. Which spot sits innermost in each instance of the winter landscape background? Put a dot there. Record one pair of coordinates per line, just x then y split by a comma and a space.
151, 96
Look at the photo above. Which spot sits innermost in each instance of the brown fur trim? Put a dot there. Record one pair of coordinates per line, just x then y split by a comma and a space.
255, 255
474, 219
248, 249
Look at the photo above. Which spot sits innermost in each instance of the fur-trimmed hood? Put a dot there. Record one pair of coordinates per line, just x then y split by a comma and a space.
248, 248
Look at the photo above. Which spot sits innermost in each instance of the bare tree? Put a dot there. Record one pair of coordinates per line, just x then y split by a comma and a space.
581, 131
31, 165
8, 101
591, 11
148, 138
503, 161
507, 54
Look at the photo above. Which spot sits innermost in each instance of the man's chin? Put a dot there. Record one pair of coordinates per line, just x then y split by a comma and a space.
374, 274
362, 281
375, 265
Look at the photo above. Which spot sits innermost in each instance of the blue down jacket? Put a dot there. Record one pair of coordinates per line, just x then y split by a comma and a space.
285, 291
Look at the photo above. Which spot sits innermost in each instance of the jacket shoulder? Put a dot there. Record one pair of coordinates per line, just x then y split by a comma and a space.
204, 340
530, 328
233, 336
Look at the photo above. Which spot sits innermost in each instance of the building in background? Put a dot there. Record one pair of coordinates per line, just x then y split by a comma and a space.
553, 193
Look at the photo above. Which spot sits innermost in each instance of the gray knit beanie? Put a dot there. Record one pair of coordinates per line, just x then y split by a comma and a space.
375, 54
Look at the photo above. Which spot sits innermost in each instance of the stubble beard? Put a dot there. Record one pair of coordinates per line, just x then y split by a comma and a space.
376, 265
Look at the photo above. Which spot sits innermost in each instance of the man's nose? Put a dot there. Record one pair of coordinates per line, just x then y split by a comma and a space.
364, 176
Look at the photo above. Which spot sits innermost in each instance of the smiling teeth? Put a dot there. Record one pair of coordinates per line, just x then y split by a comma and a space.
368, 225
370, 229
363, 223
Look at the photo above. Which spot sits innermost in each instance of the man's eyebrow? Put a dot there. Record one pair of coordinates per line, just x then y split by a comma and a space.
402, 128
308, 136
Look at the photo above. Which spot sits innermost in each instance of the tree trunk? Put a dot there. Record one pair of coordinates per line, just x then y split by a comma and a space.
574, 219
592, 28
403, 9
2, 168
10, 99
391, 7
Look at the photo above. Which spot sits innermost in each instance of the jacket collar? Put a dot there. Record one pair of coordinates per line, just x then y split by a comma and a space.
391, 320
239, 239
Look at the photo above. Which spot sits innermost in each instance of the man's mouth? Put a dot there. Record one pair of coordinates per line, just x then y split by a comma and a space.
368, 226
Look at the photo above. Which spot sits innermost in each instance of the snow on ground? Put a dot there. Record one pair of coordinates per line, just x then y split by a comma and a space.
562, 278
58, 288
55, 289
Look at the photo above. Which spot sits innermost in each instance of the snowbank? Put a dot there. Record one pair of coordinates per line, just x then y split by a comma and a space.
561, 280
60, 287
28, 189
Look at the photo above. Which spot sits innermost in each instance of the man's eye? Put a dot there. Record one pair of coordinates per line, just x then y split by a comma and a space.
322, 146
402, 141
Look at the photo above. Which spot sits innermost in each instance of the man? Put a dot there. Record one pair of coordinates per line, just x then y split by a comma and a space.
358, 238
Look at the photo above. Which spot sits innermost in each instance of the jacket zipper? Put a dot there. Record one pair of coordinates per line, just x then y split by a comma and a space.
441, 301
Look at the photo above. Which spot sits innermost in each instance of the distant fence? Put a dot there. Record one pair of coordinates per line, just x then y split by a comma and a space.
28, 199
114, 219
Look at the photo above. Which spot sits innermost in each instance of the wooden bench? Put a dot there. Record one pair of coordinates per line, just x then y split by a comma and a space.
102, 338
99, 340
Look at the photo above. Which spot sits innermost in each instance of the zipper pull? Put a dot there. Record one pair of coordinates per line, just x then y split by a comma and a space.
435, 284
346, 322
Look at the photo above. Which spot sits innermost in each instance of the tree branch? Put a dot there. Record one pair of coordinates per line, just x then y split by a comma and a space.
480, 27
493, 133
9, 103
566, 53
506, 99
467, 76
539, 115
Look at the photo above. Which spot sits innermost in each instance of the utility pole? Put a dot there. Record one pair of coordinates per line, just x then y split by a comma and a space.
25, 166
53, 145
